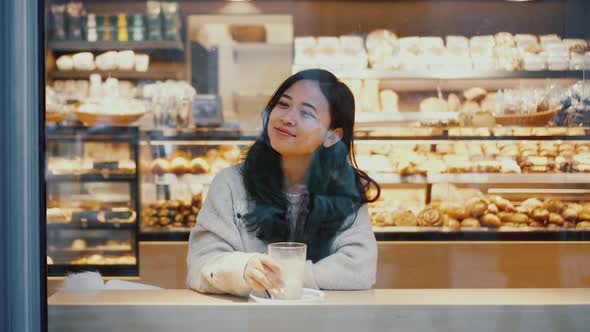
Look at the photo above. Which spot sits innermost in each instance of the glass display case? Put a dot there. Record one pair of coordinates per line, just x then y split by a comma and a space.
92, 200
473, 116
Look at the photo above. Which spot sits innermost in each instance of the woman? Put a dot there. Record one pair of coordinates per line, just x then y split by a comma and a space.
298, 182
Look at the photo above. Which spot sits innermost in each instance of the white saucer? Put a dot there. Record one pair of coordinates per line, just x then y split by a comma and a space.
309, 296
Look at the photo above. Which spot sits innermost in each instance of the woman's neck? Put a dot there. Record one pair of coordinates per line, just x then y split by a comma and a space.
295, 169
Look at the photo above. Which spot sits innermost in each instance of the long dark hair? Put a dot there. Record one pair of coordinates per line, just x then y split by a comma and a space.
336, 187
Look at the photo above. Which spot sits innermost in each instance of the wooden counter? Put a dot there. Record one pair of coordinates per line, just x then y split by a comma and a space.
375, 310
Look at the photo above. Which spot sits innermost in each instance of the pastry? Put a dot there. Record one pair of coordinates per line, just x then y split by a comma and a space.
470, 107
532, 203
404, 218
475, 94
160, 166
568, 224
470, 222
505, 39
583, 225
179, 165
575, 45
430, 216
229, 153
555, 218
540, 215
571, 212
476, 207
451, 223
554, 205
517, 218
553, 226
509, 166
492, 209
433, 104
199, 166
490, 220
389, 101
584, 215
453, 210
536, 224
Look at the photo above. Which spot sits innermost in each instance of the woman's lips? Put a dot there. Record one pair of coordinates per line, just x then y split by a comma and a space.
284, 132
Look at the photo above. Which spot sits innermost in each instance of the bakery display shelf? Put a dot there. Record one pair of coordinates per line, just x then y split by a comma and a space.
454, 74
91, 178
154, 75
59, 270
98, 133
192, 134
478, 234
445, 137
69, 251
381, 117
172, 179
81, 45
90, 226
177, 234
523, 178
413, 179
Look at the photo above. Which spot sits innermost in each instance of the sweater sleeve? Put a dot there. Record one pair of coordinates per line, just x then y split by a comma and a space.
353, 262
216, 257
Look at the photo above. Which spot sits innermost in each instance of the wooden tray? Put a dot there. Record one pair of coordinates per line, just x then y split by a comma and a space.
536, 119
108, 119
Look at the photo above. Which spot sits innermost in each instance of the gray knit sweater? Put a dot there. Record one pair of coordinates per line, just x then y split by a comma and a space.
220, 246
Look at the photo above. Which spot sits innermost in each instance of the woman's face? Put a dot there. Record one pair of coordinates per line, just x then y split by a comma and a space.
300, 120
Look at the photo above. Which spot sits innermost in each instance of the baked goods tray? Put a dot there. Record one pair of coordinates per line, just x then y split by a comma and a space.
100, 177
468, 178
479, 234
456, 74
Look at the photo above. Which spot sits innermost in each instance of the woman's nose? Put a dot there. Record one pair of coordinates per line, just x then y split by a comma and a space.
288, 117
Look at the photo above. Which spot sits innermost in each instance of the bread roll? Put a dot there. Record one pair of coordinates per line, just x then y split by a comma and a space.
470, 223
554, 205
382, 40
179, 165
540, 215
453, 210
555, 218
433, 104
389, 101
199, 166
475, 94
490, 220
451, 223
476, 207
404, 218
160, 166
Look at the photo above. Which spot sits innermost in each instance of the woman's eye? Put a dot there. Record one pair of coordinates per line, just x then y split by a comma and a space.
308, 114
283, 104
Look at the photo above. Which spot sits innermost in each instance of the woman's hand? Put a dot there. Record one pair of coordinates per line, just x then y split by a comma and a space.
262, 273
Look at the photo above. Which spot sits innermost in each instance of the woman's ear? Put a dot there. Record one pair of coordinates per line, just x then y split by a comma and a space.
333, 137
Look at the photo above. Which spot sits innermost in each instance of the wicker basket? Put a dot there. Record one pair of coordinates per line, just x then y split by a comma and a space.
55, 117
248, 33
536, 119
108, 119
